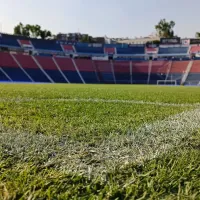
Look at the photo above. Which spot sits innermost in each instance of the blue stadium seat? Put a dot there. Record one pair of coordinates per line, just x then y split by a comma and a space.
49, 45
3, 77
131, 50
16, 74
9, 40
89, 77
139, 78
86, 49
106, 77
193, 77
171, 50
37, 75
155, 77
123, 78
72, 76
56, 76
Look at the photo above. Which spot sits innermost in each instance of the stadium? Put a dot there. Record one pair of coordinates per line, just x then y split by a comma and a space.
173, 62
110, 120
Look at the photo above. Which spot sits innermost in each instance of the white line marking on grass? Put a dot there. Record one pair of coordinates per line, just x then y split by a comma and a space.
98, 101
148, 142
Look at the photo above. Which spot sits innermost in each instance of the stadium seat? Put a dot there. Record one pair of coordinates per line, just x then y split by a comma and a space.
131, 50
194, 75
109, 50
104, 71
31, 68
87, 70
151, 50
140, 72
26, 44
48, 45
91, 50
159, 71
11, 68
50, 68
9, 40
173, 50
122, 72
3, 77
195, 49
177, 70
68, 69
67, 48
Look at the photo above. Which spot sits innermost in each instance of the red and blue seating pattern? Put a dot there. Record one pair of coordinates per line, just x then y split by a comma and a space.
104, 71
128, 64
27, 68
194, 75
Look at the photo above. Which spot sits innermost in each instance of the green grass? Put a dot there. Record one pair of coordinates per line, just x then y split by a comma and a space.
52, 148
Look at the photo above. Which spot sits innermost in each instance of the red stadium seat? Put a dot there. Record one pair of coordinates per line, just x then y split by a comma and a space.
25, 44
195, 49
151, 50
179, 66
84, 65
160, 67
109, 50
65, 63
140, 67
46, 62
67, 48
195, 67
7, 60
26, 61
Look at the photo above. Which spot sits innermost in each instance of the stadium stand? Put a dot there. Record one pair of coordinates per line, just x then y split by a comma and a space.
87, 70
104, 71
25, 59
67, 67
11, 68
10, 40
122, 72
67, 48
47, 45
195, 49
50, 68
109, 50
173, 50
131, 50
177, 70
31, 67
194, 75
140, 71
159, 71
88, 49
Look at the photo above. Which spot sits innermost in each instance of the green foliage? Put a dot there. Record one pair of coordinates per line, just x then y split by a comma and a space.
197, 35
165, 29
154, 42
87, 39
33, 31
42, 136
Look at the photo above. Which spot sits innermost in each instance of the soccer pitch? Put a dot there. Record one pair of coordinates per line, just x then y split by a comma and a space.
99, 142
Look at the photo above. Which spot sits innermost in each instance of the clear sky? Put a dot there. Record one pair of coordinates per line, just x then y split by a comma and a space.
114, 18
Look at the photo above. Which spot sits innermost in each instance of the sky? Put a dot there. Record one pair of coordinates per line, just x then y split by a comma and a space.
113, 18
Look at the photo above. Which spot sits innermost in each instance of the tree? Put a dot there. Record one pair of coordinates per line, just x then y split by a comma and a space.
157, 42
197, 35
165, 29
87, 39
45, 34
33, 31
20, 29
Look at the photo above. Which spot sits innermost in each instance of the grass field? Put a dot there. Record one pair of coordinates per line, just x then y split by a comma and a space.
99, 142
